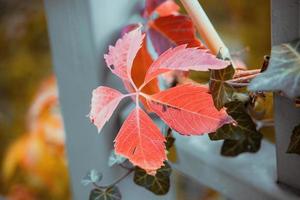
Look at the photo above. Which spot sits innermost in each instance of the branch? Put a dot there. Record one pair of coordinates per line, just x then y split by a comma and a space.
264, 123
115, 182
205, 28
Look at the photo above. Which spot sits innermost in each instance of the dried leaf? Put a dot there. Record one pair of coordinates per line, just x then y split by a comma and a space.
294, 146
220, 90
283, 73
110, 193
158, 184
140, 141
188, 109
104, 101
240, 137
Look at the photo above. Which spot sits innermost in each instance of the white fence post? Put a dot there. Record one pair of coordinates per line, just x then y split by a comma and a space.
285, 28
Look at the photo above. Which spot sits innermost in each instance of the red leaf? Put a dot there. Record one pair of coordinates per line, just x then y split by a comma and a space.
141, 64
170, 31
120, 57
184, 59
189, 109
141, 142
104, 102
169, 7
150, 6
129, 28
140, 67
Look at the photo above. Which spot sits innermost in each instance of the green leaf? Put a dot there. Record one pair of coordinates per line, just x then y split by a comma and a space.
93, 176
158, 184
221, 91
110, 193
240, 137
115, 159
294, 146
283, 73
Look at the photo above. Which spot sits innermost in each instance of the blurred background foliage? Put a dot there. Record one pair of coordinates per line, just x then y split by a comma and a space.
32, 155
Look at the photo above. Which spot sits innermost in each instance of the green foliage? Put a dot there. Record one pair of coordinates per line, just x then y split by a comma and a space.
221, 91
159, 184
294, 146
240, 137
93, 176
283, 73
115, 159
109, 193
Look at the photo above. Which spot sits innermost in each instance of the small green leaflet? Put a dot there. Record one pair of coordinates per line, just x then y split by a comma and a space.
158, 184
93, 176
283, 73
239, 138
221, 91
115, 159
294, 146
110, 193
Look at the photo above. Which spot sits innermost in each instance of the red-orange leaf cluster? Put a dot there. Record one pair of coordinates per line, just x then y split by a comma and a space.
189, 109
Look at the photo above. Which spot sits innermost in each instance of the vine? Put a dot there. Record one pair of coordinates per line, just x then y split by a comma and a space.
225, 109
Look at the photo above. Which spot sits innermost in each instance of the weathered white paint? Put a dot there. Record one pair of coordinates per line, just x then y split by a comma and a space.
247, 177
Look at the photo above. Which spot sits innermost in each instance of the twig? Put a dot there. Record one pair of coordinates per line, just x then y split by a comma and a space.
265, 63
297, 102
205, 28
115, 182
125, 167
264, 123
237, 85
245, 79
242, 73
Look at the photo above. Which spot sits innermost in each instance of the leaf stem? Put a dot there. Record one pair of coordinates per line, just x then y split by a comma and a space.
205, 28
264, 123
243, 73
143, 85
130, 94
245, 79
116, 181
237, 85
145, 95
125, 167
